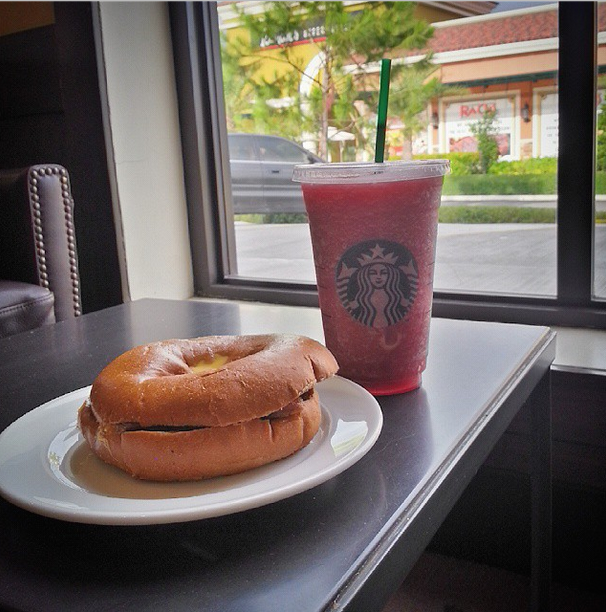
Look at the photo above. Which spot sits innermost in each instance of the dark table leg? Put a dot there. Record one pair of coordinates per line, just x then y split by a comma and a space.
541, 496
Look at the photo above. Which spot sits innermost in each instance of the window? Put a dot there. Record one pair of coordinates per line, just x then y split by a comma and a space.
519, 238
273, 149
242, 148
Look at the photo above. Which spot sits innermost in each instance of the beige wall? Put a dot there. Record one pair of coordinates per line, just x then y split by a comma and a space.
499, 66
145, 147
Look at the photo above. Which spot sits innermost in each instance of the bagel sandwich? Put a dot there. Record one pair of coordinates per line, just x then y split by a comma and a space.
198, 408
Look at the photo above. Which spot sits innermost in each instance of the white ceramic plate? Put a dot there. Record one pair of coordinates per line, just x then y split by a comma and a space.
47, 467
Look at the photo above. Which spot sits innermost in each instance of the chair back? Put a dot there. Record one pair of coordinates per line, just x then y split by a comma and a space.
37, 237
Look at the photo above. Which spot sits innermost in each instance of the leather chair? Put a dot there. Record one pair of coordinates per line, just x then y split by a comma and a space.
39, 276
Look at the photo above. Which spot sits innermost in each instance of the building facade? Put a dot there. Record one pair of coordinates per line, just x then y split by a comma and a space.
502, 61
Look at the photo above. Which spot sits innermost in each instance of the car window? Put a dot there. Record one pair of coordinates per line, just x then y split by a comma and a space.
241, 148
273, 149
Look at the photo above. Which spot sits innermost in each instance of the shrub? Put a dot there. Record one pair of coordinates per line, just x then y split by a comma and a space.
600, 182
601, 138
500, 184
485, 131
461, 164
532, 165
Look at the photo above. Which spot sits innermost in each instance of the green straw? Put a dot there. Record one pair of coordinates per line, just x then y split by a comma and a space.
382, 115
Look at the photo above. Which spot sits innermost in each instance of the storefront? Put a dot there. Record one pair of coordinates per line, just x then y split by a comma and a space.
505, 62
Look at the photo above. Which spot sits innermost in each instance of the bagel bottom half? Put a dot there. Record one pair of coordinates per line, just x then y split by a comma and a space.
165, 454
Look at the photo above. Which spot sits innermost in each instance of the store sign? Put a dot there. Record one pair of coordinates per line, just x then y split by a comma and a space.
476, 111
312, 32
548, 132
460, 116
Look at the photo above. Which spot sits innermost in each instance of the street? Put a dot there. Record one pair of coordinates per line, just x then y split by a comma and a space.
493, 258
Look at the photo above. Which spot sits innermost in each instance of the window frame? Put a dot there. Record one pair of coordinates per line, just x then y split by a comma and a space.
199, 88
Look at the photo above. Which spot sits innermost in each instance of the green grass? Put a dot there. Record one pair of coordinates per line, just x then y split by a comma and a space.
502, 214
451, 214
272, 218
495, 214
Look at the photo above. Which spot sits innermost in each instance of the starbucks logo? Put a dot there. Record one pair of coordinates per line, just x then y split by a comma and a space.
377, 282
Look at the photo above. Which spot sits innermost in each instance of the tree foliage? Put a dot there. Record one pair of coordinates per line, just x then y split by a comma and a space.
249, 97
342, 89
411, 92
485, 130
601, 138
601, 129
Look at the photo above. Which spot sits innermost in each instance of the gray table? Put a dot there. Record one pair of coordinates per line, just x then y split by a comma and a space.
344, 545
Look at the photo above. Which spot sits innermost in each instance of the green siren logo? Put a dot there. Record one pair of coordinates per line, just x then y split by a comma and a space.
377, 282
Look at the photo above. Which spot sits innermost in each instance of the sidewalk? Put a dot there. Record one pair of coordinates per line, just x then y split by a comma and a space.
493, 258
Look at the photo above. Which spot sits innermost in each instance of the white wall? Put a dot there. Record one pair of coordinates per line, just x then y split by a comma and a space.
142, 120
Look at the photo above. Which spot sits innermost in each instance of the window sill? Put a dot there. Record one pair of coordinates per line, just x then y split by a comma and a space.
577, 349
580, 350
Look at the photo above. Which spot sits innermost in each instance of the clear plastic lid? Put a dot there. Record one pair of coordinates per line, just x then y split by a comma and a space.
369, 172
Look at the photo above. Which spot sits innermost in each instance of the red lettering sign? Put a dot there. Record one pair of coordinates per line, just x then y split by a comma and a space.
476, 111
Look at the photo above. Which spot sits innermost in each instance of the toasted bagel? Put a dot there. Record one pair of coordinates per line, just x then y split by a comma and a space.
205, 407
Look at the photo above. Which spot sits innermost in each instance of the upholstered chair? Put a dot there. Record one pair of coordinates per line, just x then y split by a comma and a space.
39, 275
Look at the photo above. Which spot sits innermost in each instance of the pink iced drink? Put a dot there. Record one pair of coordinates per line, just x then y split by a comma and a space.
374, 241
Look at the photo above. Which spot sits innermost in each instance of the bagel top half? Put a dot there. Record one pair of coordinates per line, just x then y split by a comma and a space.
211, 381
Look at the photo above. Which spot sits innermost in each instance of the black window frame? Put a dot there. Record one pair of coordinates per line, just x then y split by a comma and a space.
204, 135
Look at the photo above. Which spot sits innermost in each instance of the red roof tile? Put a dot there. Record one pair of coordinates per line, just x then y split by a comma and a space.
484, 33
505, 29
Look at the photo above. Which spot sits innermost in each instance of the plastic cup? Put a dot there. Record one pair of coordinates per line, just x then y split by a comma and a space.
373, 230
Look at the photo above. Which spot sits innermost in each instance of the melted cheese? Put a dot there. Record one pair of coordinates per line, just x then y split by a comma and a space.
205, 367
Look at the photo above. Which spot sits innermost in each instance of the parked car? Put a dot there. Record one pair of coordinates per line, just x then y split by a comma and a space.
261, 173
